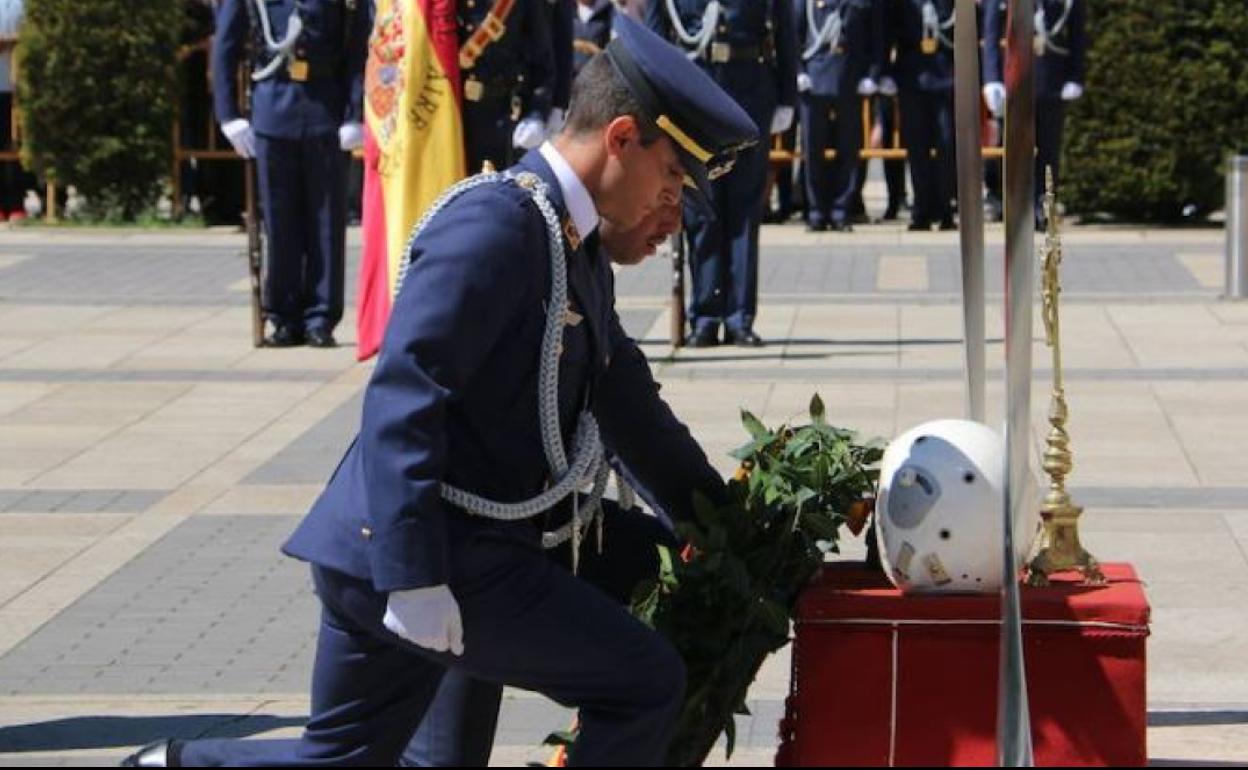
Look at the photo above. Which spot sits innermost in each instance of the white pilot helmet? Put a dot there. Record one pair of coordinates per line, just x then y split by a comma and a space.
939, 511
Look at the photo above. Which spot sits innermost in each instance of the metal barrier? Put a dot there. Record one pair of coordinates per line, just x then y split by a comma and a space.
895, 151
1237, 227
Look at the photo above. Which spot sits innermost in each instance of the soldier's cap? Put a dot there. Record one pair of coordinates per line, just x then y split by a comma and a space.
706, 125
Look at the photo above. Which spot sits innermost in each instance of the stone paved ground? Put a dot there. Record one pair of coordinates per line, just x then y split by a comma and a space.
151, 461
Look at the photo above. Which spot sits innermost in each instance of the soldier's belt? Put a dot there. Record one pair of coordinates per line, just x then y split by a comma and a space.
301, 70
489, 90
722, 53
492, 29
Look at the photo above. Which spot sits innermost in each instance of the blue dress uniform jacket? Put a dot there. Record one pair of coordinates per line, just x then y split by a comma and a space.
591, 35
454, 396
1053, 69
913, 68
282, 107
748, 24
836, 73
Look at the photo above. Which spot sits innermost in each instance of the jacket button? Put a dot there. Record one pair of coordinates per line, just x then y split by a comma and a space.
366, 533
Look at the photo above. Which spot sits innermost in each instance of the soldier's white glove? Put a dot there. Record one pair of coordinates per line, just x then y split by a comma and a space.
888, 86
994, 97
529, 133
867, 87
239, 132
351, 136
426, 617
804, 83
1071, 92
781, 119
554, 124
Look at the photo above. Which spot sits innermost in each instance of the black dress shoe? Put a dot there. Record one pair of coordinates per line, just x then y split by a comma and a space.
744, 338
919, 226
163, 753
284, 336
321, 338
890, 213
841, 226
948, 224
816, 226
706, 337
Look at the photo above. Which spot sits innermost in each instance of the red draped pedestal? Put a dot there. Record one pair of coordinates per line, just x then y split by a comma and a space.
885, 679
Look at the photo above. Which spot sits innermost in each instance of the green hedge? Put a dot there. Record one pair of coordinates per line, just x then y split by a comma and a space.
1166, 101
96, 87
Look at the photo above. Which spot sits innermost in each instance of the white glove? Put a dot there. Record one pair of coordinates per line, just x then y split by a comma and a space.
426, 617
554, 124
994, 97
804, 82
888, 86
781, 119
239, 132
529, 133
1071, 92
351, 136
867, 87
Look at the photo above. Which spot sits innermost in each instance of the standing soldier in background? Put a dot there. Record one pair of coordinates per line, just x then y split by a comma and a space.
1060, 46
306, 109
591, 29
508, 70
922, 31
841, 46
747, 47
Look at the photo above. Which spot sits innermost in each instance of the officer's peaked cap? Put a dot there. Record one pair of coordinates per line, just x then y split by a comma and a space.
705, 124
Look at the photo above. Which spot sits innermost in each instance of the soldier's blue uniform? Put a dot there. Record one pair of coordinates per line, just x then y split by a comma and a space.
840, 43
295, 114
923, 69
751, 55
591, 30
453, 400
512, 78
1060, 59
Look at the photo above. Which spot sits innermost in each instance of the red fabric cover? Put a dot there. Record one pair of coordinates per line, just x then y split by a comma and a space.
1086, 682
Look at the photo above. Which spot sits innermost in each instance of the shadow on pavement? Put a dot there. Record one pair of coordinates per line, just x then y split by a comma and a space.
108, 732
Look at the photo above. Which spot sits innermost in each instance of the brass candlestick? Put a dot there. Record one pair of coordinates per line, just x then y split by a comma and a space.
1060, 547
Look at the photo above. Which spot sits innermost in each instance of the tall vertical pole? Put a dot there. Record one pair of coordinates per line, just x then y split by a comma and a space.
1014, 747
970, 201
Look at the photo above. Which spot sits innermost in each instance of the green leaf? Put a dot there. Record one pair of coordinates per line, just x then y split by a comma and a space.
667, 569
817, 411
753, 425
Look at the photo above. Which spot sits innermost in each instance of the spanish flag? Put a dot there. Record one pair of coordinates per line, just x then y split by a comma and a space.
413, 142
